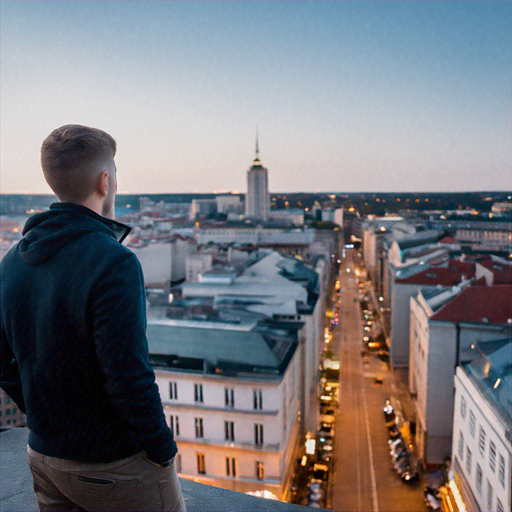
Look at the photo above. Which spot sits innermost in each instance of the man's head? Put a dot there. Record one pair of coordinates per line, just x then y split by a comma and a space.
78, 164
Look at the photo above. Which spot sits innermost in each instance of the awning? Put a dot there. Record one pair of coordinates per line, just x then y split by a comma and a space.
451, 498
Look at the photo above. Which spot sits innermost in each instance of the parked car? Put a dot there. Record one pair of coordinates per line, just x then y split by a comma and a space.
393, 432
327, 418
319, 472
326, 428
324, 443
327, 410
411, 474
324, 457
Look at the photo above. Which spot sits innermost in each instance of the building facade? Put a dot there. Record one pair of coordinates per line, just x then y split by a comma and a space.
480, 476
10, 415
230, 396
445, 323
284, 289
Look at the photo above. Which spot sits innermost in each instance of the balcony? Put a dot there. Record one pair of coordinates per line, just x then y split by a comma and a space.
229, 444
16, 493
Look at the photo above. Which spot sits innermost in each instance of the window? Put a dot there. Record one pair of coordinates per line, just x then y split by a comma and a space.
481, 441
501, 471
7, 412
229, 397
198, 393
258, 434
229, 430
260, 470
258, 399
285, 408
231, 467
462, 407
492, 456
478, 478
468, 460
199, 427
472, 423
173, 390
489, 495
461, 446
499, 506
174, 423
201, 464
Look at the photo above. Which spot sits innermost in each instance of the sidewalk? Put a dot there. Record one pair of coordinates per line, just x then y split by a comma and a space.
401, 378
404, 403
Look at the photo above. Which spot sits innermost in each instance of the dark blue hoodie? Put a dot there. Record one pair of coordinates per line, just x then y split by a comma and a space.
74, 354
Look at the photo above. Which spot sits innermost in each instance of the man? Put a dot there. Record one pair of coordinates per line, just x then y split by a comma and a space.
74, 354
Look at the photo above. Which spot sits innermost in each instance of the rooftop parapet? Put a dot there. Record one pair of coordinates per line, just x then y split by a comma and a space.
16, 494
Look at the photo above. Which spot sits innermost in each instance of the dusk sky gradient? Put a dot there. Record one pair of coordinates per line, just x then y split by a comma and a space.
347, 96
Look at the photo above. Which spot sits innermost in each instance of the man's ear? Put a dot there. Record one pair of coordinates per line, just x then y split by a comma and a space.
102, 184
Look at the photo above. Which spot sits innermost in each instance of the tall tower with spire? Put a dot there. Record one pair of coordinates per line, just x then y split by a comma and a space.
257, 202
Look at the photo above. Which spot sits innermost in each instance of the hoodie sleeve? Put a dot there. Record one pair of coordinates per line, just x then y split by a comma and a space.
10, 380
119, 319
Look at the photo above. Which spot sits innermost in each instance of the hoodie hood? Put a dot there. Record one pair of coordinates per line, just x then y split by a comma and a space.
45, 233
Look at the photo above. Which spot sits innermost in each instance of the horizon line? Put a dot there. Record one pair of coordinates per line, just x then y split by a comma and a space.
496, 191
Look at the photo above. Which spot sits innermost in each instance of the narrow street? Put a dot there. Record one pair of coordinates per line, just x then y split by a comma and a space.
363, 477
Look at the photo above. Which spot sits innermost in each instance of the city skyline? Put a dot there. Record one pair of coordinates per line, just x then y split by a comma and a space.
346, 96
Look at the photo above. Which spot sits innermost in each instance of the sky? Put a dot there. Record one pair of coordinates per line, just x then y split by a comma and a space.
346, 96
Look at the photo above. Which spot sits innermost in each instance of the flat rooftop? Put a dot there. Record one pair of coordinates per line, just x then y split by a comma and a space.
16, 494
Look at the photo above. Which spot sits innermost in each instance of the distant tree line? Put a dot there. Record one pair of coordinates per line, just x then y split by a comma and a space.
364, 203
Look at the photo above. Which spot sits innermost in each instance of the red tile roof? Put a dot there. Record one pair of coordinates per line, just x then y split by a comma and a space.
447, 240
480, 304
445, 276
502, 272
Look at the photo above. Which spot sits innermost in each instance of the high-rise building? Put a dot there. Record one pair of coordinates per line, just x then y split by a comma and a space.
257, 204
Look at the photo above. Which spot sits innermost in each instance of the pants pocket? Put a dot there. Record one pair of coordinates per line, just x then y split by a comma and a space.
93, 487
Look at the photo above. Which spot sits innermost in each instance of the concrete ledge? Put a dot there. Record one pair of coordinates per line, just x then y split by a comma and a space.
16, 494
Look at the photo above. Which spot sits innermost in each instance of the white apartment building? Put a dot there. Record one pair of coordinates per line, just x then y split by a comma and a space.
480, 476
202, 207
229, 204
257, 235
410, 281
405, 254
494, 239
165, 261
294, 216
444, 325
284, 289
338, 216
197, 264
230, 396
374, 229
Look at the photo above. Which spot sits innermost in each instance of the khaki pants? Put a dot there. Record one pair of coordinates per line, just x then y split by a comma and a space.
134, 484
